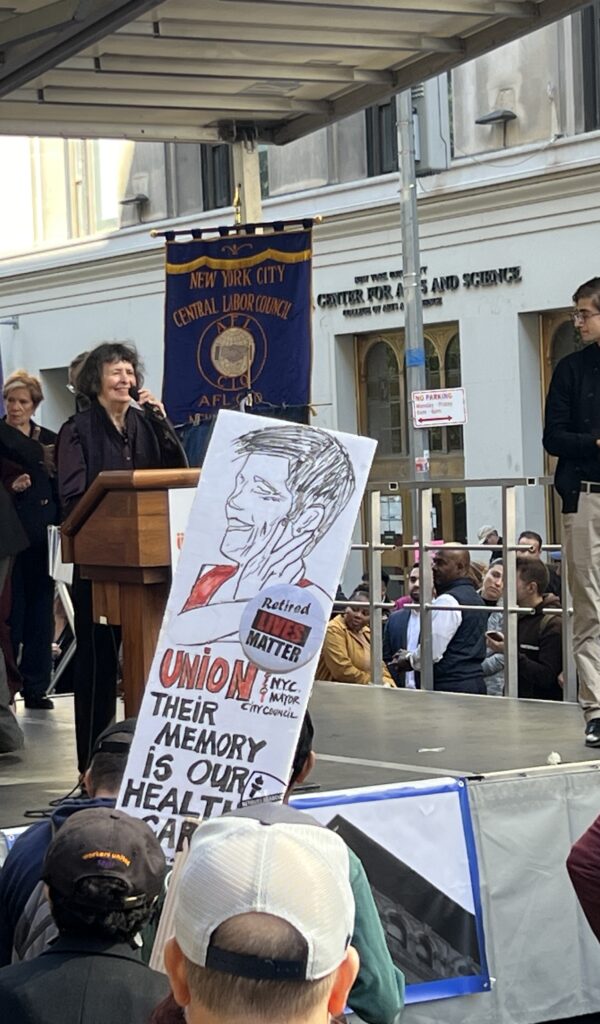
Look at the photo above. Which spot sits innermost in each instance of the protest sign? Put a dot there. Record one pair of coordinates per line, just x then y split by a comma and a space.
263, 552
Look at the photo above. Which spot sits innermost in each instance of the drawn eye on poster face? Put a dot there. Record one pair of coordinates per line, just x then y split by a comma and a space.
287, 488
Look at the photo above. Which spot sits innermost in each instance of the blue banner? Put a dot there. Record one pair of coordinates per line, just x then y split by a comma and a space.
238, 325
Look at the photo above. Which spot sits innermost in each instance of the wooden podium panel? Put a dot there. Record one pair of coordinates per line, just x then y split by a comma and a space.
126, 530
118, 536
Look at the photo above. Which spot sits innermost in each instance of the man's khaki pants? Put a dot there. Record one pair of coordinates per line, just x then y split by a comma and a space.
582, 545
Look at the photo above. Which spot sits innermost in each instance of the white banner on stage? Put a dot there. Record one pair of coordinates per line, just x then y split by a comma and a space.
264, 549
180, 500
415, 841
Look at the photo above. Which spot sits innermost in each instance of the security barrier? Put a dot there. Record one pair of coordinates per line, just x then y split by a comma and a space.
423, 545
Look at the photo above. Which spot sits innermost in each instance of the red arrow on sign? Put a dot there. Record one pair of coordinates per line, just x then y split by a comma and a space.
435, 419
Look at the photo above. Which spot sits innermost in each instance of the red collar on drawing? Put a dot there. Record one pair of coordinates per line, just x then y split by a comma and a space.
209, 582
207, 585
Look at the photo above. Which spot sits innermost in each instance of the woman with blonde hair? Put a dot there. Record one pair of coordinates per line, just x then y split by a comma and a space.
33, 490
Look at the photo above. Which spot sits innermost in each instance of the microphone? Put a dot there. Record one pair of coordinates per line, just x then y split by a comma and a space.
148, 408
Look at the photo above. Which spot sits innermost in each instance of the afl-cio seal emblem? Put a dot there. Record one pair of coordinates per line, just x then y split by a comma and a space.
232, 351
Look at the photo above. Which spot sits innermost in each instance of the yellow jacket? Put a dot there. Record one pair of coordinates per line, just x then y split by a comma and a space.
346, 656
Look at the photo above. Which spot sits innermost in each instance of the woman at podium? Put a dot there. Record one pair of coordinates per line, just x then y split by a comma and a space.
123, 427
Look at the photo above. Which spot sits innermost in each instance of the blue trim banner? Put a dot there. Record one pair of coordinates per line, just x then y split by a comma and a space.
238, 325
417, 846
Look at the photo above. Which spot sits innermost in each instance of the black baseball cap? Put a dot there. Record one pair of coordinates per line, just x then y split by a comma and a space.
115, 739
102, 842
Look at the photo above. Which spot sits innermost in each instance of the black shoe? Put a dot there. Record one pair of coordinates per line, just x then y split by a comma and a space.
592, 733
45, 704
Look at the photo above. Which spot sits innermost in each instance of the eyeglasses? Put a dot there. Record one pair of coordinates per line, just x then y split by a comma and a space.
583, 315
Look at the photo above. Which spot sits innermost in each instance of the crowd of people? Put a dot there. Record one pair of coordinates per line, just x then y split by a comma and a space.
83, 892
81, 895
468, 645
118, 424
271, 917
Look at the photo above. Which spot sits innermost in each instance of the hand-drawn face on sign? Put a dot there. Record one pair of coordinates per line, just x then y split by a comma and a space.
290, 486
264, 548
260, 501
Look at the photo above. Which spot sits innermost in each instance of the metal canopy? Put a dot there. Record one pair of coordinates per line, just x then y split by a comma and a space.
210, 70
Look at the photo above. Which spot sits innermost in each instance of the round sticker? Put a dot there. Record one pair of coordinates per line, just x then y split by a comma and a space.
282, 627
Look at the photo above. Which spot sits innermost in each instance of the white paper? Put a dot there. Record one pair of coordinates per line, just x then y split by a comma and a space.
180, 505
264, 549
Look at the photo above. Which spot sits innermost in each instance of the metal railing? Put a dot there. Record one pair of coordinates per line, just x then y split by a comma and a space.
508, 605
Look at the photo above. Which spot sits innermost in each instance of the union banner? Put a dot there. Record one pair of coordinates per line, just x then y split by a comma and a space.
238, 325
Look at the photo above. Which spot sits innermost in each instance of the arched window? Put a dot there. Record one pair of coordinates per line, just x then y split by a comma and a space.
433, 377
384, 409
452, 363
566, 339
453, 380
433, 380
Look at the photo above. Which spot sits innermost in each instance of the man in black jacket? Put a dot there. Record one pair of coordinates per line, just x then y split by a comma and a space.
458, 636
104, 871
402, 631
26, 925
539, 635
572, 432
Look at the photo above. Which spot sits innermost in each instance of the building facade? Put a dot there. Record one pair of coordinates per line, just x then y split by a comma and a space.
507, 212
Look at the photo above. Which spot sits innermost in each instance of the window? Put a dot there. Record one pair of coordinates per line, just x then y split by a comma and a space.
384, 409
384, 415
50, 185
184, 178
382, 140
384, 398
216, 176
77, 185
454, 435
590, 52
442, 370
459, 514
263, 168
391, 519
433, 380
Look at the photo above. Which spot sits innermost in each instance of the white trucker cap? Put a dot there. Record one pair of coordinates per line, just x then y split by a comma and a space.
297, 872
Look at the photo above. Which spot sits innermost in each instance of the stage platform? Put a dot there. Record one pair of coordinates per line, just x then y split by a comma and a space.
363, 736
367, 736
46, 768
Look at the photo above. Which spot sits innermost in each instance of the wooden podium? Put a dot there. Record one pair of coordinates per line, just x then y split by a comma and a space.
118, 536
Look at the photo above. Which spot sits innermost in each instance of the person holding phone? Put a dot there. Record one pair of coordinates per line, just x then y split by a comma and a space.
539, 635
491, 592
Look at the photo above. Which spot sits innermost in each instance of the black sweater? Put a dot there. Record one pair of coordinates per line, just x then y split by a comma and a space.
572, 423
540, 655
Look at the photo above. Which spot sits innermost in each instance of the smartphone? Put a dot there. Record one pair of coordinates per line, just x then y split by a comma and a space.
495, 635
